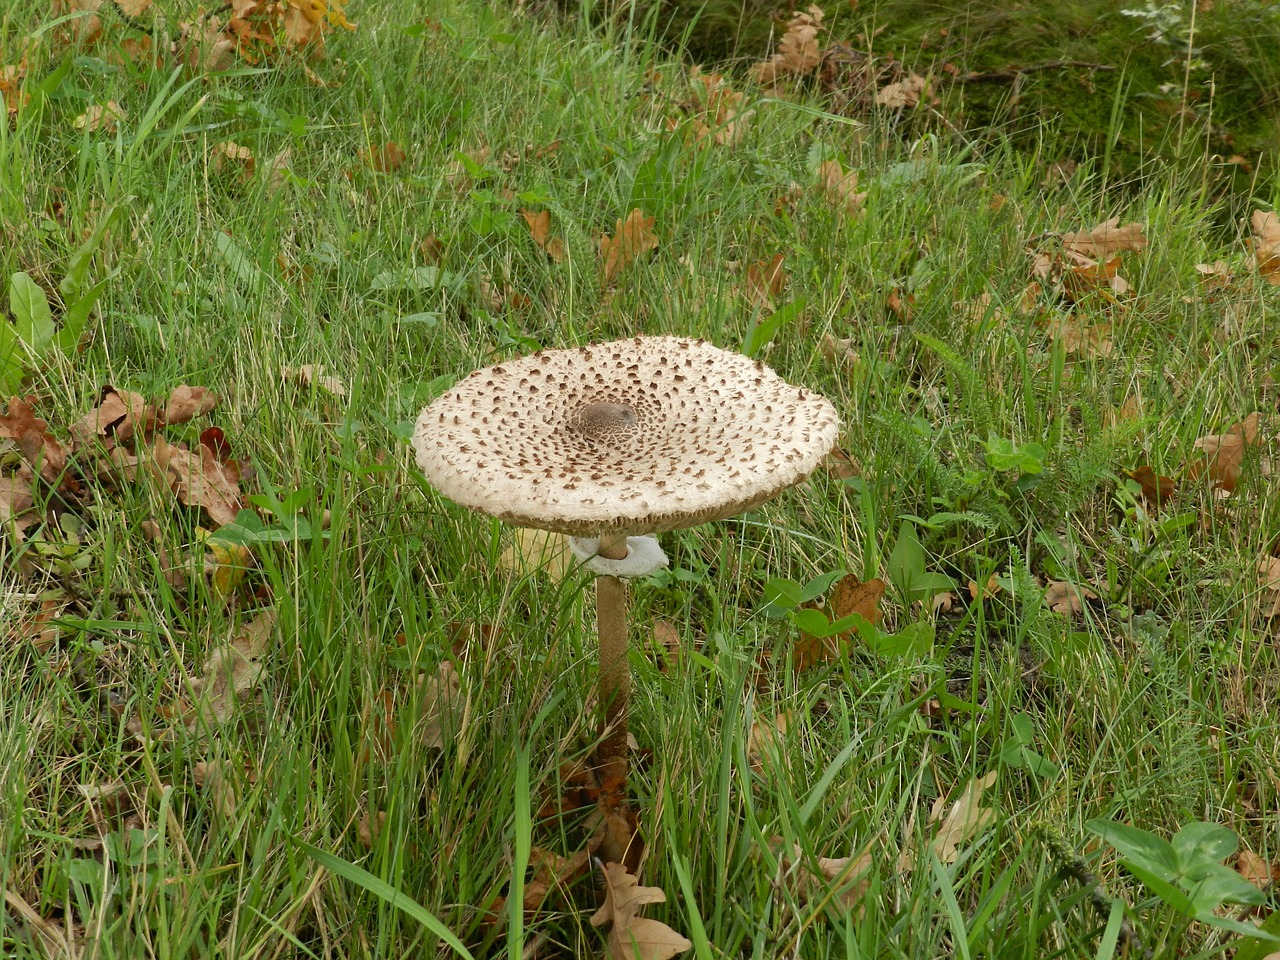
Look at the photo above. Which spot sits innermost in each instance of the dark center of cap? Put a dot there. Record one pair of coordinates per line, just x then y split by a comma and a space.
605, 422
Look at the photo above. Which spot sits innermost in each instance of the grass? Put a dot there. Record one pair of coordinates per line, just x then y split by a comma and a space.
1154, 706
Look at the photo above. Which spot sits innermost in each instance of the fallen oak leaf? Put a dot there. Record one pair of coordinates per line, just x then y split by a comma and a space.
633, 937
1266, 244
539, 222
632, 238
1268, 569
117, 417
186, 403
38, 446
197, 479
965, 818
765, 280
387, 157
233, 669
1066, 598
840, 188
1156, 488
443, 706
798, 51
848, 596
1106, 239
1223, 454
17, 503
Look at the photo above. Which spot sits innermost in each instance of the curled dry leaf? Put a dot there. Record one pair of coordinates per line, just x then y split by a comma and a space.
443, 706
103, 118
798, 52
904, 93
1269, 585
16, 503
1066, 598
229, 155
722, 119
840, 188
133, 8
838, 881
37, 445
539, 222
765, 280
1256, 869
765, 739
234, 669
633, 937
1092, 340
117, 417
186, 403
666, 638
840, 350
848, 595
632, 238
387, 157
1156, 488
1106, 240
1266, 244
965, 818
197, 479
1222, 457
313, 375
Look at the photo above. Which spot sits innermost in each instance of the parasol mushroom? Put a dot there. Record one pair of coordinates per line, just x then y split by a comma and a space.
611, 443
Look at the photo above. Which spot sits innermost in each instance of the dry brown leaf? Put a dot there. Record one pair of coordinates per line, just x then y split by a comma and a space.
1266, 244
34, 441
765, 280
765, 740
841, 881
1106, 240
990, 590
443, 704
218, 778
313, 375
198, 479
117, 417
901, 306
965, 818
1223, 454
1269, 583
387, 157
539, 222
840, 188
1081, 339
840, 350
16, 502
1256, 869
231, 563
632, 937
848, 595
721, 118
632, 238
1066, 598
103, 117
133, 8
186, 403
1156, 489
229, 155
798, 51
905, 93
842, 466
666, 637
550, 872
234, 669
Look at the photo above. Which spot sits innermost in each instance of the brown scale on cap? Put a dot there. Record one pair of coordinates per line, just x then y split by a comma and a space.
635, 436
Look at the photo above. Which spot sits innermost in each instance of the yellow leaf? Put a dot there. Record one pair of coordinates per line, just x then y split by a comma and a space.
964, 820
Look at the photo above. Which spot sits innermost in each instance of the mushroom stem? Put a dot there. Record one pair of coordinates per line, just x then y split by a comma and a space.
615, 673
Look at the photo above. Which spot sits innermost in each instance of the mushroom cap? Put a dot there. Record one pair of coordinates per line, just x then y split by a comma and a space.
629, 437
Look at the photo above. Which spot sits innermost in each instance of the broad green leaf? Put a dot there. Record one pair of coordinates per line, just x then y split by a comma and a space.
1215, 884
32, 318
235, 257
1138, 846
1204, 843
1260, 943
76, 317
759, 334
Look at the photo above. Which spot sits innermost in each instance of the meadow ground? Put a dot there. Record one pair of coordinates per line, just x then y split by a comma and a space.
264, 693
